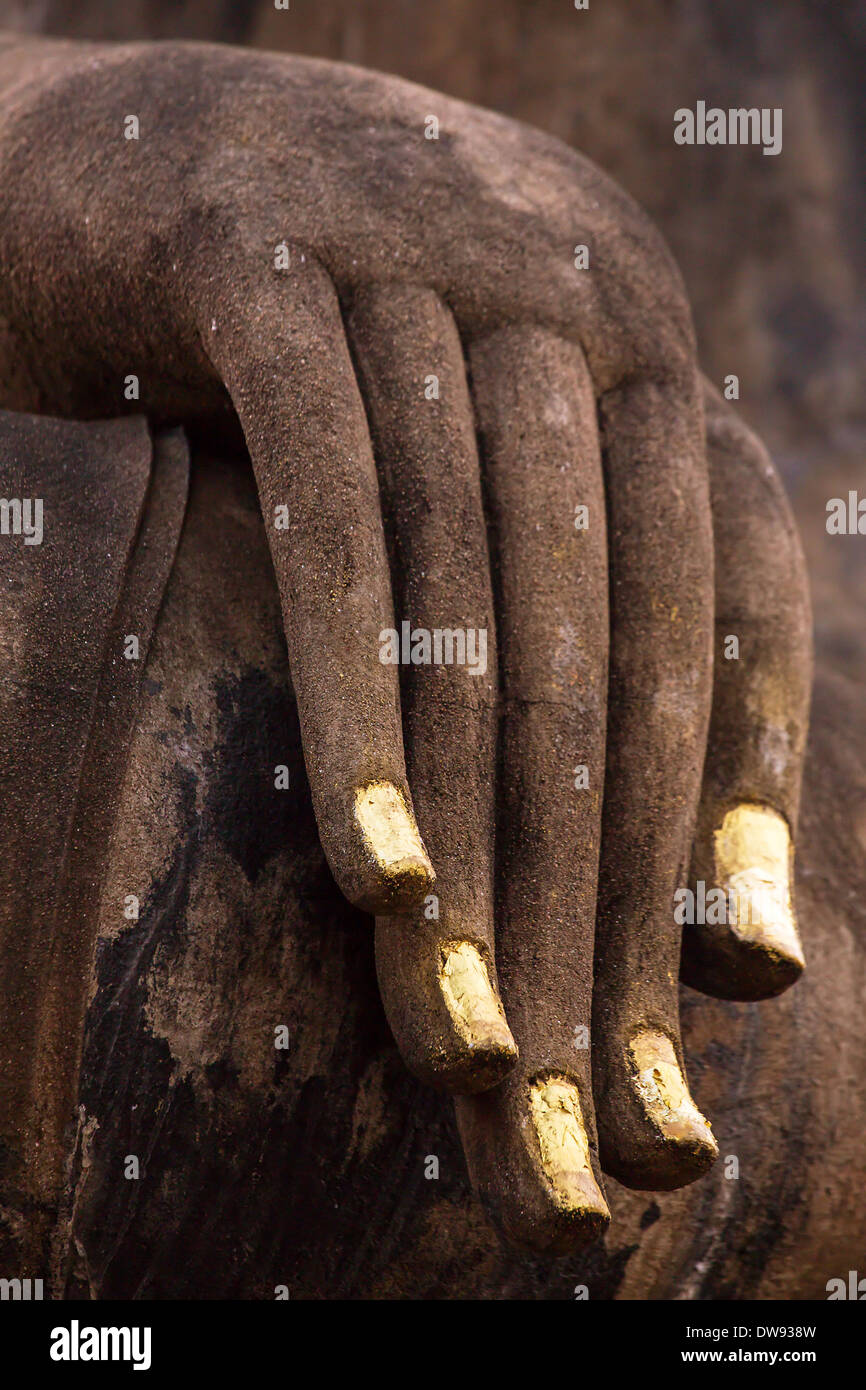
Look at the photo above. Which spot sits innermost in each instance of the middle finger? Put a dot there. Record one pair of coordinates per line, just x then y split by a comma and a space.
530, 1144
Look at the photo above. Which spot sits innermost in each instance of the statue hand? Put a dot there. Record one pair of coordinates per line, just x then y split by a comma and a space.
482, 335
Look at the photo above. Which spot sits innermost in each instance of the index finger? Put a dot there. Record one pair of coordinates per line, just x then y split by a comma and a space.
280, 348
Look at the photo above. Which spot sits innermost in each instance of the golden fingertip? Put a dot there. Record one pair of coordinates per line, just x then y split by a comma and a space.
391, 835
472, 1001
564, 1147
753, 856
664, 1095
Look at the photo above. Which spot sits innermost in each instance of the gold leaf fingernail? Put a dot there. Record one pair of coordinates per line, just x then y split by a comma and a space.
564, 1147
663, 1092
472, 1002
391, 834
753, 864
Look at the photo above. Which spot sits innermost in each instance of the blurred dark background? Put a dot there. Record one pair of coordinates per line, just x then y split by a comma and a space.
772, 248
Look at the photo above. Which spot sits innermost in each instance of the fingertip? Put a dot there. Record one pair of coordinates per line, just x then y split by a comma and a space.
399, 874
742, 971
564, 1156
557, 1224
530, 1158
657, 1138
662, 1089
488, 1049
442, 1005
753, 854
757, 953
